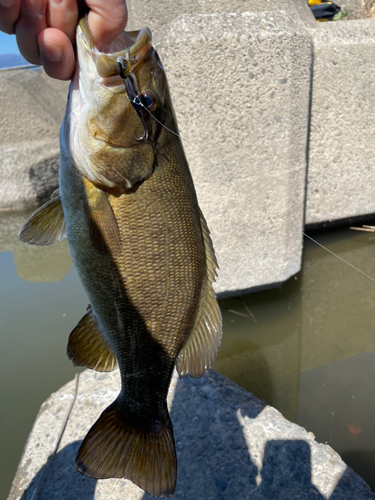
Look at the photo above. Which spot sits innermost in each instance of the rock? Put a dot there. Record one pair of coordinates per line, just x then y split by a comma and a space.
32, 107
229, 445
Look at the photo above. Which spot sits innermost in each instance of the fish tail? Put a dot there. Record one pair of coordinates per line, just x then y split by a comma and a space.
123, 446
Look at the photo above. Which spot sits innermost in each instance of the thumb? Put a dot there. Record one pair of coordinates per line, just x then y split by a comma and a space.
107, 20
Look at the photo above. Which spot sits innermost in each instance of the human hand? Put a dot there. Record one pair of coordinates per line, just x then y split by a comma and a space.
45, 29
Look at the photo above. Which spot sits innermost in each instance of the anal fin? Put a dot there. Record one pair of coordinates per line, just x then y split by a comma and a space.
87, 346
202, 347
46, 225
122, 446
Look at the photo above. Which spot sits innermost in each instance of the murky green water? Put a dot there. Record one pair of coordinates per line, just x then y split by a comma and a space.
307, 348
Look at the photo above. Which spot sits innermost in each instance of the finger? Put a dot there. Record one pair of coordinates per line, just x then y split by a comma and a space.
31, 22
106, 20
9, 12
63, 15
57, 54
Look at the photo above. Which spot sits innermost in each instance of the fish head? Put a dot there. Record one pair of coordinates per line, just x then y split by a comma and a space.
113, 123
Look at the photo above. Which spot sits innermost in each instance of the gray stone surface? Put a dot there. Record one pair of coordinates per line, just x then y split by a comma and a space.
240, 75
158, 14
341, 172
32, 106
229, 445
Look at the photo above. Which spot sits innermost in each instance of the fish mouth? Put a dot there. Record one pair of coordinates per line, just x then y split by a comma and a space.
99, 71
133, 45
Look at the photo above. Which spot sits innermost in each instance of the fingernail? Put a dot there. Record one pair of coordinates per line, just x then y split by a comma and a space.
6, 4
51, 52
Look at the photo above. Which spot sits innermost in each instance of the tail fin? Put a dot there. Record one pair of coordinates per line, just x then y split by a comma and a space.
117, 446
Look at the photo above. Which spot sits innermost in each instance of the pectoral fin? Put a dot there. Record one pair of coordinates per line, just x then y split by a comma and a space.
104, 231
46, 225
202, 347
87, 346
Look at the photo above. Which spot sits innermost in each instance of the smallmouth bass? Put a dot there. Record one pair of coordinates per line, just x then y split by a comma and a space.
142, 249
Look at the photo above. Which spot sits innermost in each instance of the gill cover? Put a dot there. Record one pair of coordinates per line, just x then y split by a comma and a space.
102, 127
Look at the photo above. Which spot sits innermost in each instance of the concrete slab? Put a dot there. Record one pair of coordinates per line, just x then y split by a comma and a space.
229, 445
239, 74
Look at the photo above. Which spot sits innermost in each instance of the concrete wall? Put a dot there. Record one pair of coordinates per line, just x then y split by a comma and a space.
341, 171
32, 106
247, 80
239, 74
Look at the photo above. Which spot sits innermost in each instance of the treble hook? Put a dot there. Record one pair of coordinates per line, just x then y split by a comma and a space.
131, 87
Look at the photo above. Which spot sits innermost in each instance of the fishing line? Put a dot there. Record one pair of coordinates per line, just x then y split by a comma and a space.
343, 260
139, 103
59, 438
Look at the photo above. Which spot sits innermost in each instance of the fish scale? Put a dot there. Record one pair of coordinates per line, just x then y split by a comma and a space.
166, 208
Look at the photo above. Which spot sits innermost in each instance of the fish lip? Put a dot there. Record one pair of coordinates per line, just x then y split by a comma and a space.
136, 45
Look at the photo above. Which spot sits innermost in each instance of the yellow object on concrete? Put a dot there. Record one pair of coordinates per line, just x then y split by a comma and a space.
317, 2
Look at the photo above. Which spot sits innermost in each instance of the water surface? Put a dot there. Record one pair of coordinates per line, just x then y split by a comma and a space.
307, 347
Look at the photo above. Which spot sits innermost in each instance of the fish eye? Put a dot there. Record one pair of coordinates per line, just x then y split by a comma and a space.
149, 100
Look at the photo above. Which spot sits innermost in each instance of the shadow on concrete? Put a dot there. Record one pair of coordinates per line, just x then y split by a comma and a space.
212, 453
59, 479
346, 490
286, 471
44, 177
214, 462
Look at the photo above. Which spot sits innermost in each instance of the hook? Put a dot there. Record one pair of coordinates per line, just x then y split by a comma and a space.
131, 87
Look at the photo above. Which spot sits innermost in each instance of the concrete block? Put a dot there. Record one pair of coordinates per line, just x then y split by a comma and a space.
32, 107
239, 74
158, 14
229, 445
341, 171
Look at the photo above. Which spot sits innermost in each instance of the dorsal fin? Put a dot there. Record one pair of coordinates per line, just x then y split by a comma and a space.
46, 225
201, 349
87, 346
